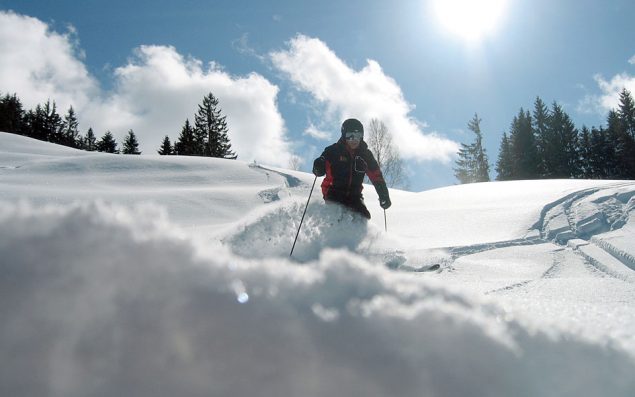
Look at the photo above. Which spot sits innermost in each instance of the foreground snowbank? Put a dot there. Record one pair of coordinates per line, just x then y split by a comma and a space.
269, 232
100, 300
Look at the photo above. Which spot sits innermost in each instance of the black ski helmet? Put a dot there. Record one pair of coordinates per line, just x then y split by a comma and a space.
352, 125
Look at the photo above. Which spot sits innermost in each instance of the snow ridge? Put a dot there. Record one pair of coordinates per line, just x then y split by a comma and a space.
581, 218
584, 217
586, 213
623, 256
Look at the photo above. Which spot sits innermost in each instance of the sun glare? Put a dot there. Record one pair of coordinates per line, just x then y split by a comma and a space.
472, 20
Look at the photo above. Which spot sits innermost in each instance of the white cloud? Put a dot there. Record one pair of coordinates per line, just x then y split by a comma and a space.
342, 92
317, 133
610, 97
153, 95
159, 88
38, 64
242, 46
611, 89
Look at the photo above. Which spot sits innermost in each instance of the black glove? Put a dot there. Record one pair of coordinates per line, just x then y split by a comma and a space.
385, 203
319, 166
384, 198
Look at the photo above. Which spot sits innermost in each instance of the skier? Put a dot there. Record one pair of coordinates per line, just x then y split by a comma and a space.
345, 163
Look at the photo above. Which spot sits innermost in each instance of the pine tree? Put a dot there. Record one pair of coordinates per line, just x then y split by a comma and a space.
541, 133
107, 143
211, 130
602, 154
70, 129
623, 147
626, 135
472, 164
186, 143
166, 147
504, 164
89, 142
561, 154
626, 112
34, 124
482, 160
44, 123
585, 154
52, 123
523, 147
11, 114
130, 144
616, 150
628, 159
464, 165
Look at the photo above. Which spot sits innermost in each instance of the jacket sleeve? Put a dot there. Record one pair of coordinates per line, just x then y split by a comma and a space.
376, 177
319, 165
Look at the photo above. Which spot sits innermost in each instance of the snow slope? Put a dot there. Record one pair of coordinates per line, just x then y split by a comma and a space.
162, 276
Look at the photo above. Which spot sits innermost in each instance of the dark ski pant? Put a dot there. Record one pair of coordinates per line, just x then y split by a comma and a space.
354, 203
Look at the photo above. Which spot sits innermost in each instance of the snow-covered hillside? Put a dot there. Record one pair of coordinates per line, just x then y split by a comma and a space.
162, 276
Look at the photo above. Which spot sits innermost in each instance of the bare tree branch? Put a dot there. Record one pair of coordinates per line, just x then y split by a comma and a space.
295, 162
380, 144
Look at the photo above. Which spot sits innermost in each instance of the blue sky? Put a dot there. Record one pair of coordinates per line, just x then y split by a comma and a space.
287, 72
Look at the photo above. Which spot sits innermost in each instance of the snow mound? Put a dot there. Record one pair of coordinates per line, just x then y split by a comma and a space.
588, 212
101, 300
270, 231
29, 148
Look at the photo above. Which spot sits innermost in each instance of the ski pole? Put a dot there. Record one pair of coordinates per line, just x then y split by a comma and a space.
385, 222
302, 220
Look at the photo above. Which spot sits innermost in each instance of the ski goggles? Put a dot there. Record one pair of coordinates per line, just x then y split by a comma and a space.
354, 136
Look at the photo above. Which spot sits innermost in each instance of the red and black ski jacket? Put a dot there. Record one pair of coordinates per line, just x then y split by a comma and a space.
345, 169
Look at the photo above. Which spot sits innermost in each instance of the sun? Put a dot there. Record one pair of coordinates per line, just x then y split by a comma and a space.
471, 20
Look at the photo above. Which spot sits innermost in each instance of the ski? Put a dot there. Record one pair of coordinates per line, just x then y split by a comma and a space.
420, 269
398, 261
429, 268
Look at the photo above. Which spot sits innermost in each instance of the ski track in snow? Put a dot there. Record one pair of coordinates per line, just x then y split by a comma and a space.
566, 219
583, 229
